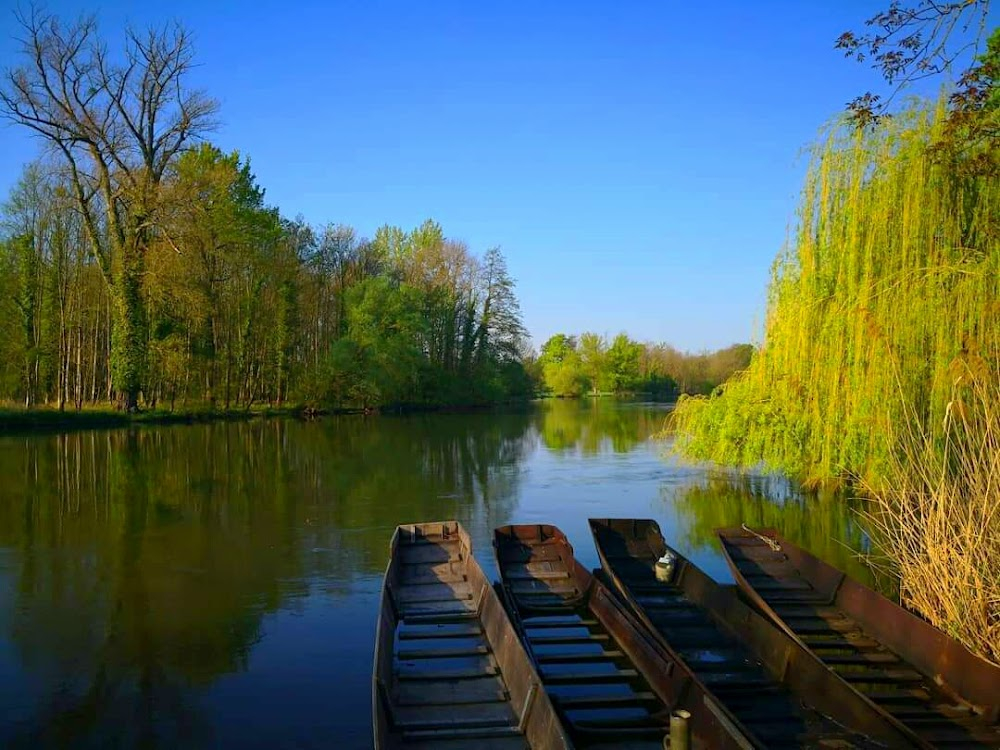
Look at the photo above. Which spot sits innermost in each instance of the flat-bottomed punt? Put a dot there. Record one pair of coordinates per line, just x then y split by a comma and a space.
610, 681
744, 669
913, 672
450, 671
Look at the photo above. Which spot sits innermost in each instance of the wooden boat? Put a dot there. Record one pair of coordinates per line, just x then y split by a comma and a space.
450, 671
611, 683
746, 670
913, 672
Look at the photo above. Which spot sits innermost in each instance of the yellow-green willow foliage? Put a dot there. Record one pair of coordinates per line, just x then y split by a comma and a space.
892, 274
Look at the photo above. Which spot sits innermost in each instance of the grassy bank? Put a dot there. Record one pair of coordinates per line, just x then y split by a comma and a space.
45, 419
17, 419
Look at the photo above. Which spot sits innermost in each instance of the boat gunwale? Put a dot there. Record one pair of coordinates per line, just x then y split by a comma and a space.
531, 706
748, 736
638, 648
864, 716
954, 661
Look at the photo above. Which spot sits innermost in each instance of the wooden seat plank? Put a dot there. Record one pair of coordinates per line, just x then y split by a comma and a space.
486, 689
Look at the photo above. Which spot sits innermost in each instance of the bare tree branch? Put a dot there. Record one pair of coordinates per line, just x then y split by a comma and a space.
909, 43
117, 123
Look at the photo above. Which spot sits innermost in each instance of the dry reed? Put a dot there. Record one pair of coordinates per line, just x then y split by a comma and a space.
935, 517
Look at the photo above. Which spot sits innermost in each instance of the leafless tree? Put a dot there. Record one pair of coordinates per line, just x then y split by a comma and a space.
116, 124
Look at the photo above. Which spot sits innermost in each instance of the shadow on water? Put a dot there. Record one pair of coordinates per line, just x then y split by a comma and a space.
826, 524
216, 584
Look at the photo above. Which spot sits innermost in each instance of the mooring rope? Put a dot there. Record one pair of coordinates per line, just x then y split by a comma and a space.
775, 547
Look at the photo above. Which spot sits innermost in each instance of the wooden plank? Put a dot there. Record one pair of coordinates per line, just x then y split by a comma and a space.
818, 625
654, 725
471, 733
460, 715
818, 642
588, 678
486, 689
448, 667
429, 554
558, 640
523, 587
564, 621
902, 696
447, 572
805, 610
441, 653
415, 609
795, 597
430, 539
578, 657
918, 711
860, 658
722, 681
537, 575
663, 601
440, 592
535, 554
874, 676
460, 743
441, 630
605, 701
765, 583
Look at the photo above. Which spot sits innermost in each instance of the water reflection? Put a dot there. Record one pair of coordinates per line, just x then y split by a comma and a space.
595, 426
215, 585
826, 524
144, 560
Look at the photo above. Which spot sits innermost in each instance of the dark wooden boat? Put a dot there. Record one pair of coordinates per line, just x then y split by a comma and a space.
450, 671
610, 681
912, 671
745, 669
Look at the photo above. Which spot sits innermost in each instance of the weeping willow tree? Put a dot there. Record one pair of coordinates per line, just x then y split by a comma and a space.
891, 281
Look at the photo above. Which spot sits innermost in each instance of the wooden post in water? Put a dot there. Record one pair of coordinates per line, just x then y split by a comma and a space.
680, 733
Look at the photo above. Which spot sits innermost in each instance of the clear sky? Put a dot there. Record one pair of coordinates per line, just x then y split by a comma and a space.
638, 162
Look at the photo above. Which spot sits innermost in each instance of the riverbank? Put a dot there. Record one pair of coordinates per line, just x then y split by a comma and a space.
48, 419
40, 419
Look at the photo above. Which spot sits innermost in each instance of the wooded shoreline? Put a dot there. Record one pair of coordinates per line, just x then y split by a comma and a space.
18, 420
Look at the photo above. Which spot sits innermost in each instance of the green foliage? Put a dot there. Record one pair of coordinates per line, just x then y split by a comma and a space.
385, 327
230, 303
893, 275
625, 366
557, 348
593, 358
563, 372
565, 377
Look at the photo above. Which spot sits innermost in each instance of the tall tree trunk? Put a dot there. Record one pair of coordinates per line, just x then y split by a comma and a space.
79, 366
128, 330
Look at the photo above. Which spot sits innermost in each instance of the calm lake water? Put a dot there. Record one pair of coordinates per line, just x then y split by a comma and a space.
216, 585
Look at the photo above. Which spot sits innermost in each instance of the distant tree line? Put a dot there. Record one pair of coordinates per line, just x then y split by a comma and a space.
573, 366
139, 264
239, 305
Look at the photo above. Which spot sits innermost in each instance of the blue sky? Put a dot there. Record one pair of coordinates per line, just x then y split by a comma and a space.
637, 162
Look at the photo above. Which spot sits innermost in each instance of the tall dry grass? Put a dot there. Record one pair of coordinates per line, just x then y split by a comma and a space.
935, 516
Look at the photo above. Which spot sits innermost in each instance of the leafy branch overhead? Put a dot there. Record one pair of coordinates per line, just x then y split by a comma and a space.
907, 43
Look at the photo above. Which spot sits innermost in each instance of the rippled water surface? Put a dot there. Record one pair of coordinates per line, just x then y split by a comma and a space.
216, 585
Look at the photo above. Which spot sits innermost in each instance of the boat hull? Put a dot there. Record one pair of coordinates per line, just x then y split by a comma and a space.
533, 559
925, 680
770, 687
449, 669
